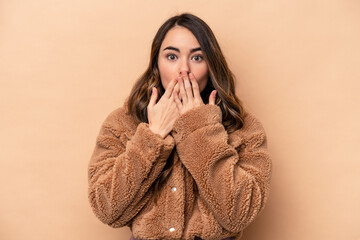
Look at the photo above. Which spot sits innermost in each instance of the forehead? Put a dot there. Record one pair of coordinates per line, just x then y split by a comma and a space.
180, 37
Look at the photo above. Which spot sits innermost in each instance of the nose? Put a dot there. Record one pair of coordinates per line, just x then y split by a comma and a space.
184, 67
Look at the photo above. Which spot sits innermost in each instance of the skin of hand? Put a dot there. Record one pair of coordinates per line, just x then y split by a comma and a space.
189, 96
162, 115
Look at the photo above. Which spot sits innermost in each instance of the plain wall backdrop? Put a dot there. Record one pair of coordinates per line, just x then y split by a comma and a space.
65, 65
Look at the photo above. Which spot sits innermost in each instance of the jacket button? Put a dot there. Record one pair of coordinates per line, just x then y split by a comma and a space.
172, 229
173, 189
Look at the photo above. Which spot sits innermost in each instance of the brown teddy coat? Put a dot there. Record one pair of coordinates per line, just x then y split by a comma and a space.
231, 172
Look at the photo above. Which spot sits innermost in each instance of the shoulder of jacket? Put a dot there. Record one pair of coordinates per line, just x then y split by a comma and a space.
252, 131
120, 121
252, 123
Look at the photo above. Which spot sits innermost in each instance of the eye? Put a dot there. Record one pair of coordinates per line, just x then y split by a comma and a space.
171, 57
197, 58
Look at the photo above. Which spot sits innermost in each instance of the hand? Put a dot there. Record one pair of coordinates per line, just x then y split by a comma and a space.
162, 115
189, 96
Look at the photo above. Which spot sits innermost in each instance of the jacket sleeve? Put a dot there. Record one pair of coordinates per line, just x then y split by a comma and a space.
122, 168
232, 172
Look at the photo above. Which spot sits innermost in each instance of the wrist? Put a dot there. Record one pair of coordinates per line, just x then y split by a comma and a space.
156, 130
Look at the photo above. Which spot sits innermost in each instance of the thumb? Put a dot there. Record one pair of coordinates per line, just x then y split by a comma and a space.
153, 97
212, 97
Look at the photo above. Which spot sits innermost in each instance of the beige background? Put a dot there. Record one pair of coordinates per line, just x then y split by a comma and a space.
64, 65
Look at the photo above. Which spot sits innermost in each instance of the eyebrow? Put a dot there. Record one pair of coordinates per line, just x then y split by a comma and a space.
177, 50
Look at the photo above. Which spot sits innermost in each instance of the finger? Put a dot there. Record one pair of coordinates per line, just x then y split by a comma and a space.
177, 89
188, 88
182, 90
153, 97
212, 98
170, 88
177, 100
172, 94
195, 86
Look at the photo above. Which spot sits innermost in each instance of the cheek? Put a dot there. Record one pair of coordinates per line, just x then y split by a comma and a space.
201, 75
166, 73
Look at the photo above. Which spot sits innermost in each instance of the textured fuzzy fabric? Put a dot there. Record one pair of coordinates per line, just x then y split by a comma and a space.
196, 238
231, 172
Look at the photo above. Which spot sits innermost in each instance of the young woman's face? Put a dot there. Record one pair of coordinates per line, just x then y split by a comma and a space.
180, 53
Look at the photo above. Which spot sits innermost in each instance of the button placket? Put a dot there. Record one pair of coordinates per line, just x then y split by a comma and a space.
175, 191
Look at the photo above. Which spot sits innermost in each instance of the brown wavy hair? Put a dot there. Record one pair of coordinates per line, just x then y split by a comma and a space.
220, 78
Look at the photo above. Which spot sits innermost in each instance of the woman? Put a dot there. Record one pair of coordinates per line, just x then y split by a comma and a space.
181, 159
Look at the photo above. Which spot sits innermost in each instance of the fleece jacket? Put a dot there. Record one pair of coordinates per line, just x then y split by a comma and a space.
219, 182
